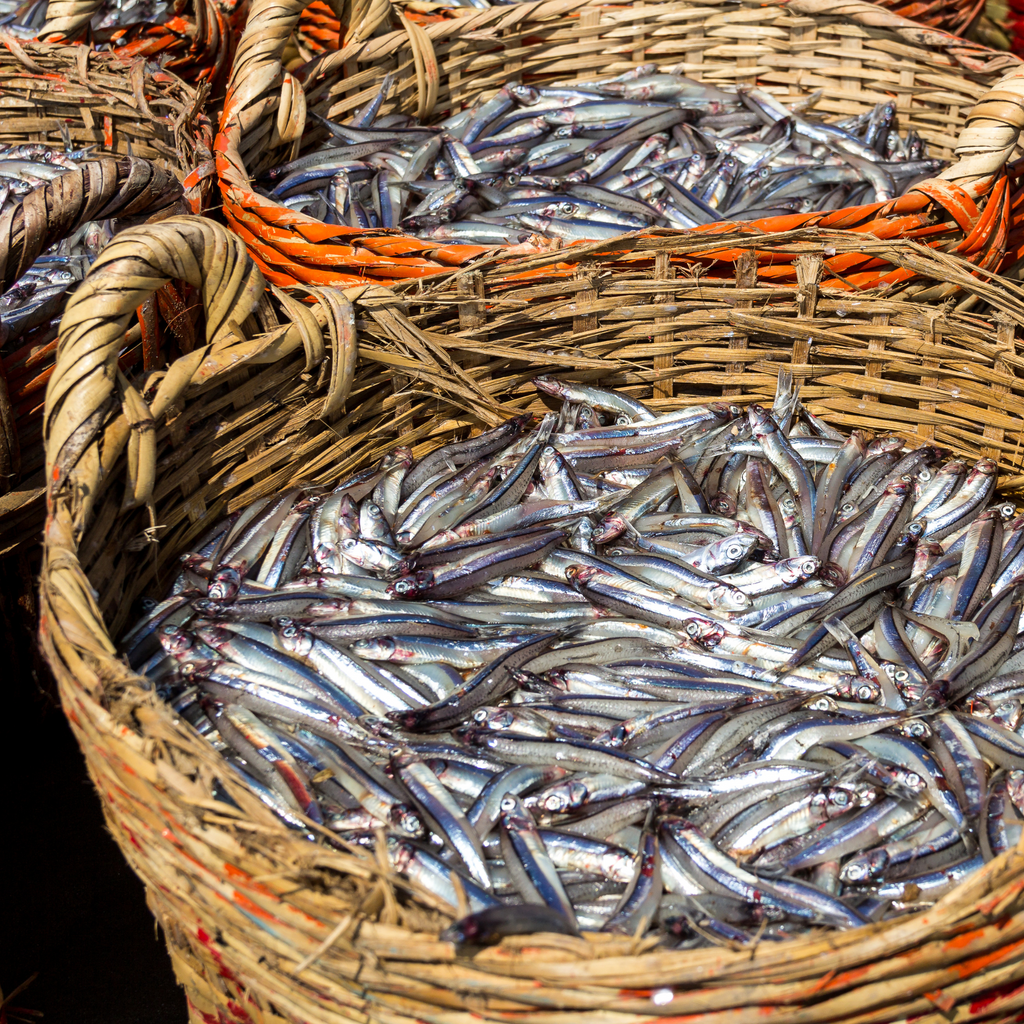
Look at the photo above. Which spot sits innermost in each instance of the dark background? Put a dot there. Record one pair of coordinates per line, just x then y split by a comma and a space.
70, 907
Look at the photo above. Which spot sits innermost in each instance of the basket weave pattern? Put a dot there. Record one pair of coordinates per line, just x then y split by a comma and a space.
267, 928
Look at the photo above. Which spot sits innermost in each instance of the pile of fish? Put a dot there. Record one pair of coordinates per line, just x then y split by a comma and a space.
37, 298
722, 674
594, 160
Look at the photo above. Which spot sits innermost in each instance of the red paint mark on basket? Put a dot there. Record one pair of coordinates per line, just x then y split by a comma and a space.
988, 906
993, 994
243, 877
238, 1011
235, 872
965, 939
939, 998
971, 967
204, 170
132, 839
167, 834
247, 904
108, 131
207, 1018
204, 937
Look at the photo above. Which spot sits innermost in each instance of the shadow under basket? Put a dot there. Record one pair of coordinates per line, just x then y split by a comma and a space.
265, 927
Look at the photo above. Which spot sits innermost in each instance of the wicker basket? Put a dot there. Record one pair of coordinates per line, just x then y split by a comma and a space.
152, 122
857, 53
198, 42
265, 927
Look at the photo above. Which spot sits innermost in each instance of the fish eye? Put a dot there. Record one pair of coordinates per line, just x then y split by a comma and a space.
480, 715
567, 207
901, 675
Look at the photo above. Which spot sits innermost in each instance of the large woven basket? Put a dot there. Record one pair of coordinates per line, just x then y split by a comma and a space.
857, 53
149, 135
265, 927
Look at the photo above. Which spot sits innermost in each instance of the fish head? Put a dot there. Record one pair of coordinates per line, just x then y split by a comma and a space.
176, 641
226, 582
1007, 714
378, 648
806, 566
412, 585
215, 636
914, 728
705, 632
729, 551
523, 94
832, 574
295, 640
1015, 788
723, 504
864, 866
496, 719
566, 796
730, 599
610, 527
761, 424
907, 781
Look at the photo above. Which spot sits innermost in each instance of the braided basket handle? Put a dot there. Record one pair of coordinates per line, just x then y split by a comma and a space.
95, 190
67, 19
991, 136
82, 447
132, 267
261, 88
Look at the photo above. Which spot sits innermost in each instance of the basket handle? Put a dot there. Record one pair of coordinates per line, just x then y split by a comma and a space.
67, 19
260, 87
82, 444
95, 190
991, 136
